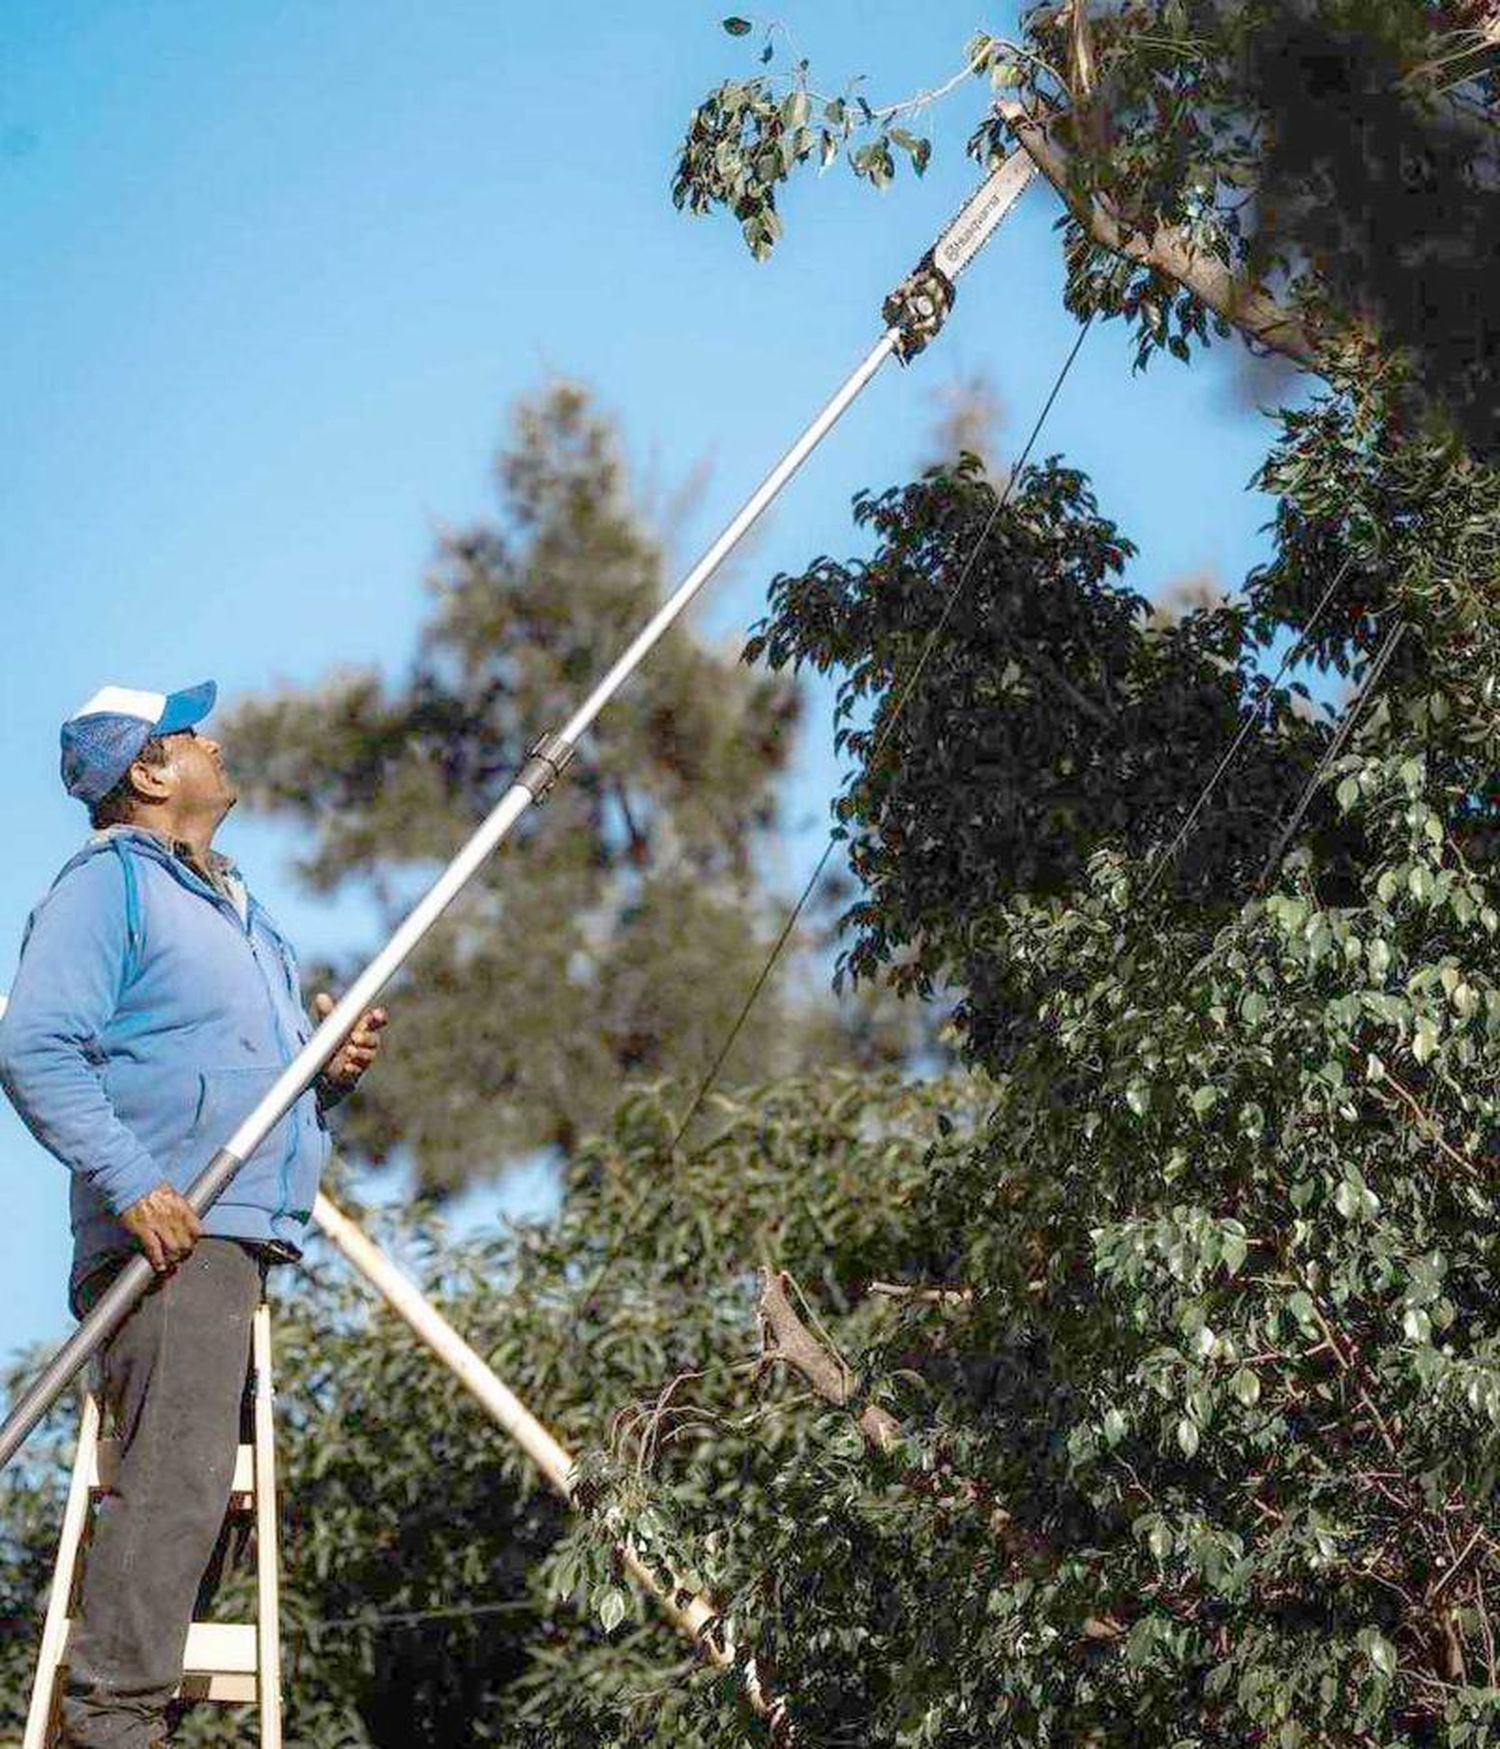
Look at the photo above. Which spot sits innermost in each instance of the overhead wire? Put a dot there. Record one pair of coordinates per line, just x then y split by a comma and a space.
1293, 654
903, 698
1335, 747
376, 1618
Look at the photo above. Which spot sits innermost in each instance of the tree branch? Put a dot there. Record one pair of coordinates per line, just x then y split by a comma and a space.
1254, 312
786, 1338
1054, 676
1083, 74
1428, 1123
930, 1296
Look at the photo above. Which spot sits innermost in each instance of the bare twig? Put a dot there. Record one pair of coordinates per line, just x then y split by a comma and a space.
1456, 1565
1429, 1124
1473, 39
1352, 1366
1486, 1627
931, 1296
922, 99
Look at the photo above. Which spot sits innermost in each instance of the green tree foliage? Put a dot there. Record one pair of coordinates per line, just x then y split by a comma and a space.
1047, 717
1191, 1419
430, 1594
624, 944
1230, 1235
1141, 1385
1280, 165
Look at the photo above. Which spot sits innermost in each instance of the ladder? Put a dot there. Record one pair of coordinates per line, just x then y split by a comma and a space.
232, 1662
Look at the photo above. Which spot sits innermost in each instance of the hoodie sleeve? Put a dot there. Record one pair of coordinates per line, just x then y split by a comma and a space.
66, 990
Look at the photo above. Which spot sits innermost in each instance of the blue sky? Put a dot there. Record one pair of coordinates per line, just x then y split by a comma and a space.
274, 272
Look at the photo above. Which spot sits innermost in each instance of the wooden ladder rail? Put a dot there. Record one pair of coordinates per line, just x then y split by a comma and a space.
231, 1662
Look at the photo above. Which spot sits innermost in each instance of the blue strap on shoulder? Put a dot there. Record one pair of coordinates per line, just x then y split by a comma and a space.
135, 934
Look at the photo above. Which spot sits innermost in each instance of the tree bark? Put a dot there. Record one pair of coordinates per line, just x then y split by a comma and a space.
784, 1337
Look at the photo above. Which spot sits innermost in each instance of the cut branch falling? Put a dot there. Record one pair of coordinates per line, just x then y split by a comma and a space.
784, 1337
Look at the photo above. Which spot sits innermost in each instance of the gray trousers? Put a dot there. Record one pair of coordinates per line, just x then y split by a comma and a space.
174, 1378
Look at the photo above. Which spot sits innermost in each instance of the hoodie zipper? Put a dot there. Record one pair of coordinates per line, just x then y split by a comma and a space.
294, 1116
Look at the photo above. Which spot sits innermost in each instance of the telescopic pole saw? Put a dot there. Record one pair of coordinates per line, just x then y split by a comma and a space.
913, 314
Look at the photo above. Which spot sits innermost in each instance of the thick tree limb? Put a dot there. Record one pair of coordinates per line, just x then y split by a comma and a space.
1253, 311
786, 1338
929, 1296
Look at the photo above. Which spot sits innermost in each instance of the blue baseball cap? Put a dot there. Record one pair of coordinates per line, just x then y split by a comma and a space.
104, 736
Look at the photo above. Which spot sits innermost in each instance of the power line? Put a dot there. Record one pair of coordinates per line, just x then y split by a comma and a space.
1335, 747
413, 1617
315, 1625
1293, 654
903, 697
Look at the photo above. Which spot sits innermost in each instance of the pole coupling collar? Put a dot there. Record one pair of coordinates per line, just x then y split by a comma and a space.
545, 763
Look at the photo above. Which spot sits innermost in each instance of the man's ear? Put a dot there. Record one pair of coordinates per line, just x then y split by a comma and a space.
152, 783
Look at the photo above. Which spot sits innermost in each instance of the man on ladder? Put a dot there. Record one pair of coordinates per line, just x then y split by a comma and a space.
155, 1003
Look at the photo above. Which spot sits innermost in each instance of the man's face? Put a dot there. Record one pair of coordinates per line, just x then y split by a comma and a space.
201, 785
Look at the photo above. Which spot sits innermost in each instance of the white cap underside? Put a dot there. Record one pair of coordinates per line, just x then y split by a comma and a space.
125, 701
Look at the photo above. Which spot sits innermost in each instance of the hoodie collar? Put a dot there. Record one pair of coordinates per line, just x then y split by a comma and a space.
219, 874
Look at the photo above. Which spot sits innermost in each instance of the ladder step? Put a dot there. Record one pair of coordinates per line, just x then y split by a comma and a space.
221, 1648
220, 1661
106, 1467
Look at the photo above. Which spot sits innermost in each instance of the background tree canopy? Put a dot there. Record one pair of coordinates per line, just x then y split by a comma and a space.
1138, 1383
640, 921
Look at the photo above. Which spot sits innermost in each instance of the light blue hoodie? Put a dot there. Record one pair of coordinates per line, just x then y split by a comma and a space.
149, 1014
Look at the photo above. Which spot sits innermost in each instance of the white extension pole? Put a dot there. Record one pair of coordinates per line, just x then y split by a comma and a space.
914, 314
